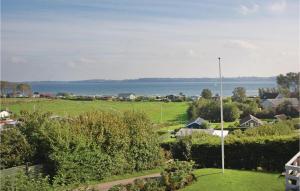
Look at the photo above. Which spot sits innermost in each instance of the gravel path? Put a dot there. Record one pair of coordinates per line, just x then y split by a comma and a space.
107, 185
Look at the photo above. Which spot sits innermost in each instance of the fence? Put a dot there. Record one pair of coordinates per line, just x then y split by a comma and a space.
292, 174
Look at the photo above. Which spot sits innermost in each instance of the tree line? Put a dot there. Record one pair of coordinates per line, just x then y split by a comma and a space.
14, 88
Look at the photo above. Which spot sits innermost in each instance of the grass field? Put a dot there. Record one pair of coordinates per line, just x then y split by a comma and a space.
173, 112
237, 180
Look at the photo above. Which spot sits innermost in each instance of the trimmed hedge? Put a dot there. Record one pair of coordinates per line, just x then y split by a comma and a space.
269, 153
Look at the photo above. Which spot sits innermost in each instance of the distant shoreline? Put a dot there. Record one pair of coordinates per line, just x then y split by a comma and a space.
226, 79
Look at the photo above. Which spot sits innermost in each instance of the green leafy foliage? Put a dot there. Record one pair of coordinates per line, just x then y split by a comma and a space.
176, 175
268, 147
14, 148
206, 94
91, 146
239, 94
210, 109
29, 182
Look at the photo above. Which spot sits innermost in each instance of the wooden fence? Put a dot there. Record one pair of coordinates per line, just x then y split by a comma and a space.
292, 173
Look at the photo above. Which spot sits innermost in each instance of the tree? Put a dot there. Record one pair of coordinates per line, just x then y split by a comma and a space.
24, 88
210, 110
239, 94
231, 112
289, 81
249, 107
206, 94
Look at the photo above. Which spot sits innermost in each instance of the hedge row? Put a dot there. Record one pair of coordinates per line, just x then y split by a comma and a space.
267, 153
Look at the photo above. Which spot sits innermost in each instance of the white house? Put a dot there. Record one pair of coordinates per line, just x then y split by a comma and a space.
4, 114
127, 96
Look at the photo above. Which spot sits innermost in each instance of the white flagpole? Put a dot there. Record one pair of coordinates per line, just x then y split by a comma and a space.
222, 124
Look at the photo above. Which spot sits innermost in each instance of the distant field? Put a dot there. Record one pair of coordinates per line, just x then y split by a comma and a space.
173, 112
237, 180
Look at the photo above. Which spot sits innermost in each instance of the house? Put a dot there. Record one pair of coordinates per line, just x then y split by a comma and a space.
199, 123
4, 114
171, 97
188, 131
106, 97
36, 95
274, 103
127, 96
250, 121
281, 117
194, 98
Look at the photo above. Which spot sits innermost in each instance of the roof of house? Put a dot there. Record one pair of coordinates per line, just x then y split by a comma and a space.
198, 121
276, 102
125, 94
248, 118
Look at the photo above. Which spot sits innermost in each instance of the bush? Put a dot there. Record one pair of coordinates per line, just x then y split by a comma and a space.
242, 152
176, 175
14, 148
93, 145
21, 181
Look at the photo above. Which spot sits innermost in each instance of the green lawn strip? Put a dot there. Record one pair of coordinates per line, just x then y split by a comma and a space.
237, 180
113, 178
173, 112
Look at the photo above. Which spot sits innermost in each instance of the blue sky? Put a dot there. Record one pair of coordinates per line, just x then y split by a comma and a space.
93, 39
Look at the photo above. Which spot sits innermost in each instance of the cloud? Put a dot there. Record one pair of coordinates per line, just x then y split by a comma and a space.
83, 61
17, 60
246, 10
240, 44
278, 7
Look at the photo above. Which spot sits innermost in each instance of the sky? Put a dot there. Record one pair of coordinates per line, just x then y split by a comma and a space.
127, 39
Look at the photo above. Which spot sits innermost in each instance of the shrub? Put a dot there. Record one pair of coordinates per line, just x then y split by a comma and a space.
91, 146
14, 148
21, 181
246, 152
177, 175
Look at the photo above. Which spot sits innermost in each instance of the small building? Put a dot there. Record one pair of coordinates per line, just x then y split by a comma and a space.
188, 131
194, 98
280, 117
250, 121
4, 114
36, 95
199, 123
126, 96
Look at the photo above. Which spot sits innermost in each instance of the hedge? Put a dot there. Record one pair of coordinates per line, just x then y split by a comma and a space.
268, 153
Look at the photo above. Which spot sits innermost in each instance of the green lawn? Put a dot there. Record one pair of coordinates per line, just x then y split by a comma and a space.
174, 112
236, 180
